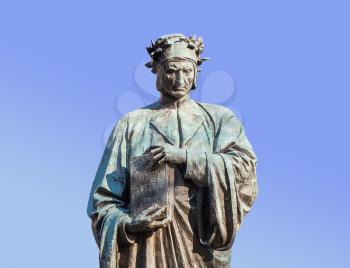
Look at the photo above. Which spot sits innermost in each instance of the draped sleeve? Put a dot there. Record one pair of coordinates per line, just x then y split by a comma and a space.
108, 201
227, 180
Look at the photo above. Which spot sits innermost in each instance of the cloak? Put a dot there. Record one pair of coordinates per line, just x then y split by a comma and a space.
214, 189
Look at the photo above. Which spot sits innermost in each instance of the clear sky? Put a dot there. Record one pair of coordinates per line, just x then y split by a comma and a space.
70, 69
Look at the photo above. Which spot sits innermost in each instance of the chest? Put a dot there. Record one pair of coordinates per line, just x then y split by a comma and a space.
180, 134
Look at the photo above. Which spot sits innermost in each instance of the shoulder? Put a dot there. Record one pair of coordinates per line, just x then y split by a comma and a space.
139, 115
217, 112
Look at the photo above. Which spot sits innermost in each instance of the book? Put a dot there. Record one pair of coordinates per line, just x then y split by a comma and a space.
150, 187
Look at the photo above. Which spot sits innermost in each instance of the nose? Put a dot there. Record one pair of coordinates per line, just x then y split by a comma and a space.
180, 78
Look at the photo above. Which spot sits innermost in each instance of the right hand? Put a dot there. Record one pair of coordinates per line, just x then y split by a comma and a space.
164, 153
149, 220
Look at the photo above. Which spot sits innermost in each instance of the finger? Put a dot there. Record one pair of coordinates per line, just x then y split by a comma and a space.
153, 162
158, 224
159, 215
150, 210
158, 156
165, 222
156, 165
150, 148
161, 161
157, 150
144, 219
156, 160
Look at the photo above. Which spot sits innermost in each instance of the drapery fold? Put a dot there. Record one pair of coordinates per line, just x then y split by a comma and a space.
108, 202
222, 168
230, 175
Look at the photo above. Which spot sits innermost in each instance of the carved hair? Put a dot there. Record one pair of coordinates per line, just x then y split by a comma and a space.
165, 48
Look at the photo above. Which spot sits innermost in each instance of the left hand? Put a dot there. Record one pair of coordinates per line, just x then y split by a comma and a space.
149, 220
165, 153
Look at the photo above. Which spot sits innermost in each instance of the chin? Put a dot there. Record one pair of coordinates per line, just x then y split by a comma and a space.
179, 94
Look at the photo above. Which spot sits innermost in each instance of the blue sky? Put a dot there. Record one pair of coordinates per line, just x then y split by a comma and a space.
69, 69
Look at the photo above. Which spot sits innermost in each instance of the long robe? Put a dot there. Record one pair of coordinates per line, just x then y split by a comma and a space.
213, 190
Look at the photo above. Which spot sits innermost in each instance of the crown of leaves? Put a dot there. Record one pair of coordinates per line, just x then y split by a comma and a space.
164, 42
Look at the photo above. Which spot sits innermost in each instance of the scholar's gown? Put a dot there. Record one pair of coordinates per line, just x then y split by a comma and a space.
214, 189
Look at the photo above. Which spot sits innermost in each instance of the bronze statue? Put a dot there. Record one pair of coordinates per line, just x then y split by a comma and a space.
211, 173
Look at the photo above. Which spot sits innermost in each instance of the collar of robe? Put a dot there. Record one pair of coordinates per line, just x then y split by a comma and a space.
177, 121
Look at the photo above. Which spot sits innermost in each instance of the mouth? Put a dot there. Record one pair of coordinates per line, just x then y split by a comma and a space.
179, 88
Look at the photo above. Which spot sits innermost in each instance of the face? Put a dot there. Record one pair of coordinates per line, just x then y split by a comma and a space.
178, 77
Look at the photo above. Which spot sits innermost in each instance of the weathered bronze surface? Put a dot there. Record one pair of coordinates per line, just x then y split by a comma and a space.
213, 172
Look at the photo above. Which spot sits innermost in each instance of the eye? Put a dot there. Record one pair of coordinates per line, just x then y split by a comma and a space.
170, 71
188, 71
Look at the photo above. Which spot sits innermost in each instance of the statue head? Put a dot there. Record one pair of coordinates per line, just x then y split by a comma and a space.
175, 60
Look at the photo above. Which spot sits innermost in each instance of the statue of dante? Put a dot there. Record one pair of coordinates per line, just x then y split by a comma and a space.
215, 173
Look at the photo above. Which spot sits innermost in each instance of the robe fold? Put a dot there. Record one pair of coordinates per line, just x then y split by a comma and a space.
214, 189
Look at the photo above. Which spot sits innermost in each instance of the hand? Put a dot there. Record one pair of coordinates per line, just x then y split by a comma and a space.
165, 153
149, 220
